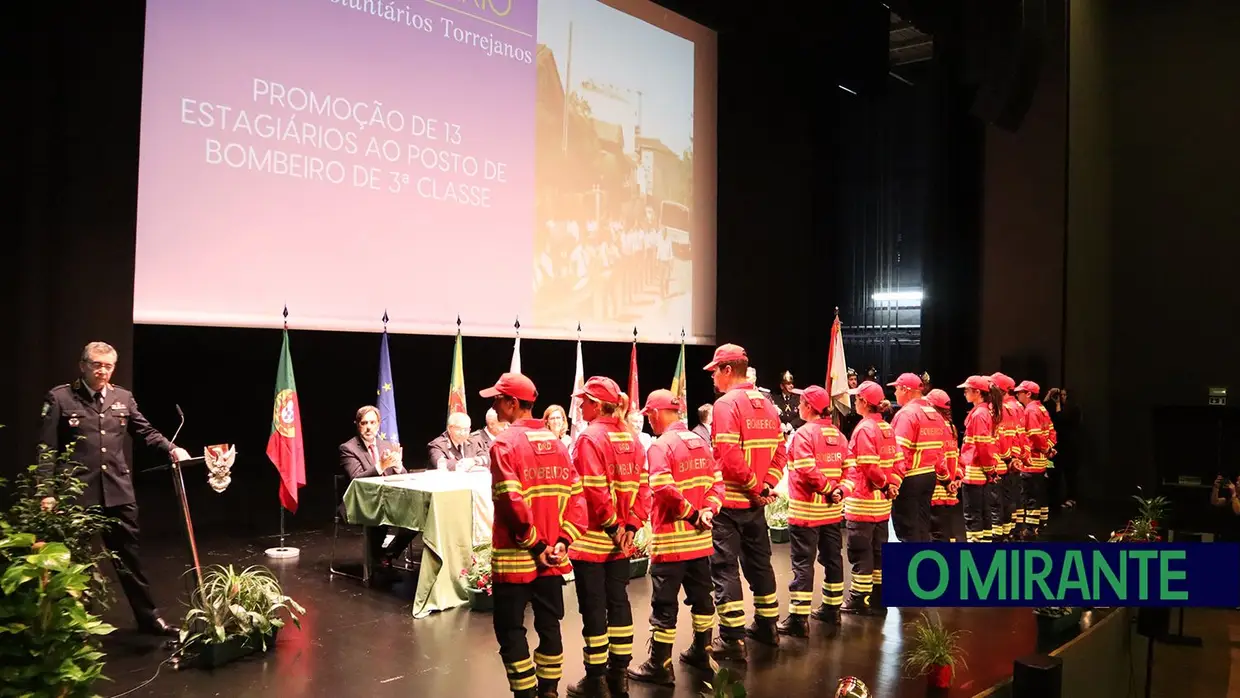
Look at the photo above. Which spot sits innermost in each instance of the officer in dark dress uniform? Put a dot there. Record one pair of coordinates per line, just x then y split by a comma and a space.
97, 419
850, 421
788, 403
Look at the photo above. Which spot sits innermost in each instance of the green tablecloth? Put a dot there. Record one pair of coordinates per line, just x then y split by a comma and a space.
438, 504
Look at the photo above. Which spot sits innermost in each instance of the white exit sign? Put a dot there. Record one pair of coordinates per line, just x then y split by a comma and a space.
1218, 397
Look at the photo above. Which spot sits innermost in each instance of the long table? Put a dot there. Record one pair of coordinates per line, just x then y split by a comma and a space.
454, 512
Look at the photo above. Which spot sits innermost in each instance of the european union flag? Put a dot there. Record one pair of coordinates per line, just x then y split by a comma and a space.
387, 396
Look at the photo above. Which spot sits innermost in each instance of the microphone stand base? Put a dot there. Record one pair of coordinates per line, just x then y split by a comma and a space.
282, 553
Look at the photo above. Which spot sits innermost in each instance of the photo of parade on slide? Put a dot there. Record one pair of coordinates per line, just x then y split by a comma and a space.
613, 169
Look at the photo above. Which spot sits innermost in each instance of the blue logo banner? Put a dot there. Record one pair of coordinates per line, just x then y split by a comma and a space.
1061, 574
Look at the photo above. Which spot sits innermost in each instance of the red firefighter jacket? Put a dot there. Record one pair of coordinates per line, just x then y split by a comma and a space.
874, 465
538, 502
818, 455
950, 470
1012, 443
920, 432
979, 454
748, 441
1041, 432
611, 464
684, 480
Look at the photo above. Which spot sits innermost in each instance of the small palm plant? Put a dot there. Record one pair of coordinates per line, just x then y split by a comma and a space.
725, 685
246, 606
935, 651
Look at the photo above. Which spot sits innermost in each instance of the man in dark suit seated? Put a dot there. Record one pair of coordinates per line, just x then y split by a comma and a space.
455, 450
366, 455
703, 426
485, 436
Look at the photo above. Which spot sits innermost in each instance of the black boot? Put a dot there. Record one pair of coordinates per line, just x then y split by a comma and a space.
699, 655
876, 601
763, 630
526, 693
657, 669
548, 688
827, 614
856, 603
618, 675
794, 626
728, 648
593, 685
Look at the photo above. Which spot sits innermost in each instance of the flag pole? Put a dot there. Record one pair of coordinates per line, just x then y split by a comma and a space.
836, 418
282, 551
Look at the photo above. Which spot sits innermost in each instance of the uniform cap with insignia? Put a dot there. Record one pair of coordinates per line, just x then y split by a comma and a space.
1028, 387
1002, 382
816, 396
981, 383
908, 381
513, 385
725, 354
869, 391
662, 400
600, 388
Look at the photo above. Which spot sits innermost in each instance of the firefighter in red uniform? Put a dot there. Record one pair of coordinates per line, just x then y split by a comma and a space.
1040, 431
980, 461
687, 493
539, 512
816, 491
876, 481
748, 445
920, 432
610, 462
1012, 453
946, 512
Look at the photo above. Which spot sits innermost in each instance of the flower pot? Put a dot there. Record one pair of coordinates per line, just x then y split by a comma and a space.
940, 676
218, 654
638, 567
480, 601
779, 535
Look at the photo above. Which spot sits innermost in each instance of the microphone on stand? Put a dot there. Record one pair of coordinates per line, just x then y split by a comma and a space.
179, 426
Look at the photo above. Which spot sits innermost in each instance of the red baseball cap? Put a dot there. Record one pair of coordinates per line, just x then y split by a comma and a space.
1028, 387
1002, 382
939, 399
513, 385
816, 396
976, 382
726, 353
662, 400
910, 381
869, 391
600, 388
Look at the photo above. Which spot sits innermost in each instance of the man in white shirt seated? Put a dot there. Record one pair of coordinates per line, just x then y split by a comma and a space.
485, 436
455, 451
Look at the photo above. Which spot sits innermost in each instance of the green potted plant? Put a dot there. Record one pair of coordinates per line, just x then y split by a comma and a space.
234, 614
477, 578
1054, 621
68, 522
777, 518
725, 685
935, 651
639, 563
50, 643
1144, 527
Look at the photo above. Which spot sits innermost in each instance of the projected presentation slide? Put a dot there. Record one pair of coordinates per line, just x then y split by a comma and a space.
550, 161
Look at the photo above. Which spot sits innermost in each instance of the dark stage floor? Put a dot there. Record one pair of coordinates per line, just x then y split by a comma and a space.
361, 642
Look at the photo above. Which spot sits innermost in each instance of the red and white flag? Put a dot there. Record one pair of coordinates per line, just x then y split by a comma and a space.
837, 370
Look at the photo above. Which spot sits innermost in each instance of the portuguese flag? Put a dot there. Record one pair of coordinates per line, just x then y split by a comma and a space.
678, 383
456, 387
284, 447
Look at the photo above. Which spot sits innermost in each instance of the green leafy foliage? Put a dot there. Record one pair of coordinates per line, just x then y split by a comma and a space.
67, 522
477, 576
726, 685
932, 645
1144, 527
48, 641
235, 604
777, 512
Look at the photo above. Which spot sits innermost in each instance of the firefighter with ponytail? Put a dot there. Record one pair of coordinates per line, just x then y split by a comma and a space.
875, 456
611, 463
946, 512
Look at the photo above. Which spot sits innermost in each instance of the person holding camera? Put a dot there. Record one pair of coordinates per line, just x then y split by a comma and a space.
1224, 494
